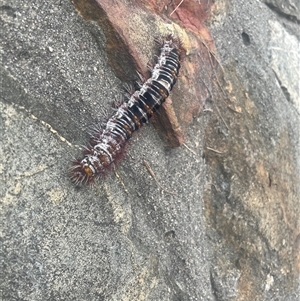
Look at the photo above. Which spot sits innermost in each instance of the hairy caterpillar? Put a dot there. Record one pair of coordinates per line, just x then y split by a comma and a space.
107, 144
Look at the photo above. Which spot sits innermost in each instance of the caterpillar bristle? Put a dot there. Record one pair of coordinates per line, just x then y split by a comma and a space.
108, 141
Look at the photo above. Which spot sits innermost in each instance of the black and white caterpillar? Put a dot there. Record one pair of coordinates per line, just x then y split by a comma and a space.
107, 145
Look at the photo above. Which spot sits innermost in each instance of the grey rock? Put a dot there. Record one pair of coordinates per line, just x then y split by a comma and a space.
285, 61
231, 232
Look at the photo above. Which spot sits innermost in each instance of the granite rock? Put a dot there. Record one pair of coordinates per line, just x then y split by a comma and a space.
231, 230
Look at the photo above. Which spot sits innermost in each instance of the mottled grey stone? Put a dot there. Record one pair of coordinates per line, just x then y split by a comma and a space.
231, 232
285, 61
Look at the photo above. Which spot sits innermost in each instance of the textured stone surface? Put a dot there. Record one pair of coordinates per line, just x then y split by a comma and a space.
231, 232
253, 203
289, 9
285, 61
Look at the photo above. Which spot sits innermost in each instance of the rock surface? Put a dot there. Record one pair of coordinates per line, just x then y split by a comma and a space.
231, 231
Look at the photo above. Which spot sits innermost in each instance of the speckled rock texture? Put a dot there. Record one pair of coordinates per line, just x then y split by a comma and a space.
229, 229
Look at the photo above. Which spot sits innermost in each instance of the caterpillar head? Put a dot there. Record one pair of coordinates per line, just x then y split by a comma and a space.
82, 172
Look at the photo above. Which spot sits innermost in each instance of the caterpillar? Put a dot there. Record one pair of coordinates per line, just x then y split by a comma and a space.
107, 144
